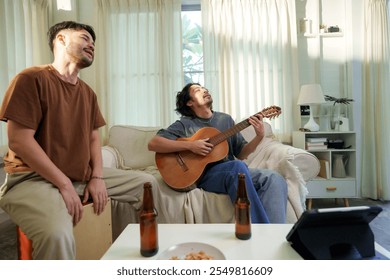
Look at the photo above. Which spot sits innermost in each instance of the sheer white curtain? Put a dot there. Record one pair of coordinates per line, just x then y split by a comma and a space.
141, 68
250, 57
376, 100
23, 43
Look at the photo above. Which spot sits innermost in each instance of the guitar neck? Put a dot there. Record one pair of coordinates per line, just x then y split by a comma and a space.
219, 138
270, 112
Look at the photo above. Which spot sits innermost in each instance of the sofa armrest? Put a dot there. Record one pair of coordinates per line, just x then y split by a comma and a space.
271, 150
307, 163
110, 157
270, 153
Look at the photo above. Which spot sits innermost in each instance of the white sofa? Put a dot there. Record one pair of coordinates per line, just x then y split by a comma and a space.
127, 149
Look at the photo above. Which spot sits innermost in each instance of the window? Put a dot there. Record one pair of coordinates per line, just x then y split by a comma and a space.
192, 44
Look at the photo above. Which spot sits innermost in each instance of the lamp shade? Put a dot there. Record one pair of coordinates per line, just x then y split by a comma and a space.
311, 94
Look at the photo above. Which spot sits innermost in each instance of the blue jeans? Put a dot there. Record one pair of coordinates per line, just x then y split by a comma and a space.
267, 190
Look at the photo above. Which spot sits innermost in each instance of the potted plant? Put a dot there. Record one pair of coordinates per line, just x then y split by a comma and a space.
336, 112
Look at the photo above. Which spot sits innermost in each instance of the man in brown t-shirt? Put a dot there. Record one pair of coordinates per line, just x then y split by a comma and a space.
53, 119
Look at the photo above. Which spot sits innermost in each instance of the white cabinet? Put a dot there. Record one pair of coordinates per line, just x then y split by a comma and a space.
335, 185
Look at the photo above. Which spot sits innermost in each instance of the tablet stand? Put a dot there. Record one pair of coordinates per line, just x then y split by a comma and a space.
334, 242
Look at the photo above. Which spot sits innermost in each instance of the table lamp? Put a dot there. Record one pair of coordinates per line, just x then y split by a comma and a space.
311, 94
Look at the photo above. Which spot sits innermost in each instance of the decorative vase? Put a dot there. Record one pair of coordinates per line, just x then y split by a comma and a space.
339, 166
325, 116
335, 117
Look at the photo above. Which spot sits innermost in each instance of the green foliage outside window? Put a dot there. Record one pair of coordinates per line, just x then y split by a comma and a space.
192, 47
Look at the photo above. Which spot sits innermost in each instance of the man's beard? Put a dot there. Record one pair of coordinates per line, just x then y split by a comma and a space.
82, 60
85, 62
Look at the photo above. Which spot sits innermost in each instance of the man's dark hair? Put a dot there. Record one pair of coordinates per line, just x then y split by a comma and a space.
53, 31
182, 98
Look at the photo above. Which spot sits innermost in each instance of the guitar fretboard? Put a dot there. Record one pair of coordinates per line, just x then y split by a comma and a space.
219, 138
270, 112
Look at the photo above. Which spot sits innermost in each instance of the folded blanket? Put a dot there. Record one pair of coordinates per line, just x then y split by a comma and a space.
271, 154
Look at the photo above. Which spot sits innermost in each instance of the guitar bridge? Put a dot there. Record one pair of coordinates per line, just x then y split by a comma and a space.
181, 162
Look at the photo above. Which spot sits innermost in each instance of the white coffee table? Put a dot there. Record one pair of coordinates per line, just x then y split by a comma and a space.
268, 241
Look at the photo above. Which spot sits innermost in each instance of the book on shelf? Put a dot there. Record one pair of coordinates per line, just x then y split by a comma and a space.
324, 169
316, 139
316, 144
317, 147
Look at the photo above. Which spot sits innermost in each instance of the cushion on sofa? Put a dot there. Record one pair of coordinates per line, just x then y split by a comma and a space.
132, 144
249, 132
110, 157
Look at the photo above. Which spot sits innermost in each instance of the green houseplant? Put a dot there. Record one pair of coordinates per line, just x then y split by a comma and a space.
336, 110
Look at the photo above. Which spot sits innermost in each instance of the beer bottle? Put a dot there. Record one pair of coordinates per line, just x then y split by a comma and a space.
242, 210
148, 224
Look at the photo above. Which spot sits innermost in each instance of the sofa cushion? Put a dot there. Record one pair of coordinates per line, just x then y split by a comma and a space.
249, 132
132, 144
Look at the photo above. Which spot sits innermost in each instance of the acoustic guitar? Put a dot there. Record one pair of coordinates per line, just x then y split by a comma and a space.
181, 170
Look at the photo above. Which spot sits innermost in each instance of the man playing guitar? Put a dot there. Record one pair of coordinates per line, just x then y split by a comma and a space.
267, 190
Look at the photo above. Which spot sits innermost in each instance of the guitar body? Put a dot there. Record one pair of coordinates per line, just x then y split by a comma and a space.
181, 170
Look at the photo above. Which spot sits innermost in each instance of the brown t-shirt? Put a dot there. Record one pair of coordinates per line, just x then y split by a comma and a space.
62, 114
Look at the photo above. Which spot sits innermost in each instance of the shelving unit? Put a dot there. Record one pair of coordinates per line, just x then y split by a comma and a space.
323, 59
333, 187
332, 34
323, 55
325, 35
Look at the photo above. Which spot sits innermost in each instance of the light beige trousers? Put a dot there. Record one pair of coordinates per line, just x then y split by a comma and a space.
38, 208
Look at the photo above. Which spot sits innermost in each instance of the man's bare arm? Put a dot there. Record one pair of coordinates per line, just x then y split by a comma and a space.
163, 145
21, 141
96, 187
